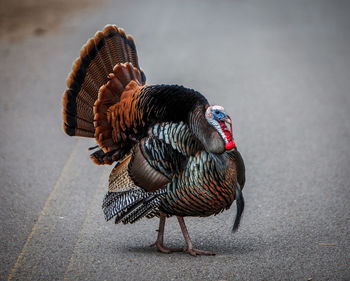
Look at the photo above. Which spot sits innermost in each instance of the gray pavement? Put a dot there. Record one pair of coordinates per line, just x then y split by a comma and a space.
282, 71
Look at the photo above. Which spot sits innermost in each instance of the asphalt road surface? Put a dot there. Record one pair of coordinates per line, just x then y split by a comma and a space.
282, 71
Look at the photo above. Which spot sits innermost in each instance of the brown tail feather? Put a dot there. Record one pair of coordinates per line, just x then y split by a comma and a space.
124, 81
91, 71
104, 54
132, 52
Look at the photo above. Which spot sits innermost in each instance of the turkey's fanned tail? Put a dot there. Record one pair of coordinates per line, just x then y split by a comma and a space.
90, 71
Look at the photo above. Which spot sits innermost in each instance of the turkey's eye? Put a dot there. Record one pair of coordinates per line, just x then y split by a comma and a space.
217, 111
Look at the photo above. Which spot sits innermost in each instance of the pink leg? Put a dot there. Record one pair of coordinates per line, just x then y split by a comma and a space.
160, 238
192, 251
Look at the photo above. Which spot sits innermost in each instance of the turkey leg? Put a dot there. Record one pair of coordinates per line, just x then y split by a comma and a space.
192, 251
160, 238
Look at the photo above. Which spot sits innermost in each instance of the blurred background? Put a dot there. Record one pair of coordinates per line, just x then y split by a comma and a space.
280, 68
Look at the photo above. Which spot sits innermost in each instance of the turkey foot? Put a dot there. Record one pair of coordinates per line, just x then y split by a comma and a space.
159, 242
195, 252
192, 251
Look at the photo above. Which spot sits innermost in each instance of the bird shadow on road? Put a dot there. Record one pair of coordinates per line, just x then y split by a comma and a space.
220, 248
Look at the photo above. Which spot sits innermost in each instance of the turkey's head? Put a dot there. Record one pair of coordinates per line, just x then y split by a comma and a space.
217, 118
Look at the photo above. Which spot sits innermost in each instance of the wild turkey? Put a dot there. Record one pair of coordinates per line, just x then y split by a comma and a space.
174, 153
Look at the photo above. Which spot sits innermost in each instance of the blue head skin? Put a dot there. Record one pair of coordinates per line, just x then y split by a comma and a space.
219, 115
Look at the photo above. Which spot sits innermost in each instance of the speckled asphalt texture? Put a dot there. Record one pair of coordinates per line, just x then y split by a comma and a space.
281, 69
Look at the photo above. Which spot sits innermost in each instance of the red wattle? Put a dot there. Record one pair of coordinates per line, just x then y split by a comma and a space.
229, 143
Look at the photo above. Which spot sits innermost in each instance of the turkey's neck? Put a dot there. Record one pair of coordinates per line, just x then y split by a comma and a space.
173, 103
207, 135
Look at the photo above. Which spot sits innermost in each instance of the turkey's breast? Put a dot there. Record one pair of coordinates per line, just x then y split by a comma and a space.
205, 187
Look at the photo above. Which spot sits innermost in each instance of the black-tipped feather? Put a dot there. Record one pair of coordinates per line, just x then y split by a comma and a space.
149, 205
131, 205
